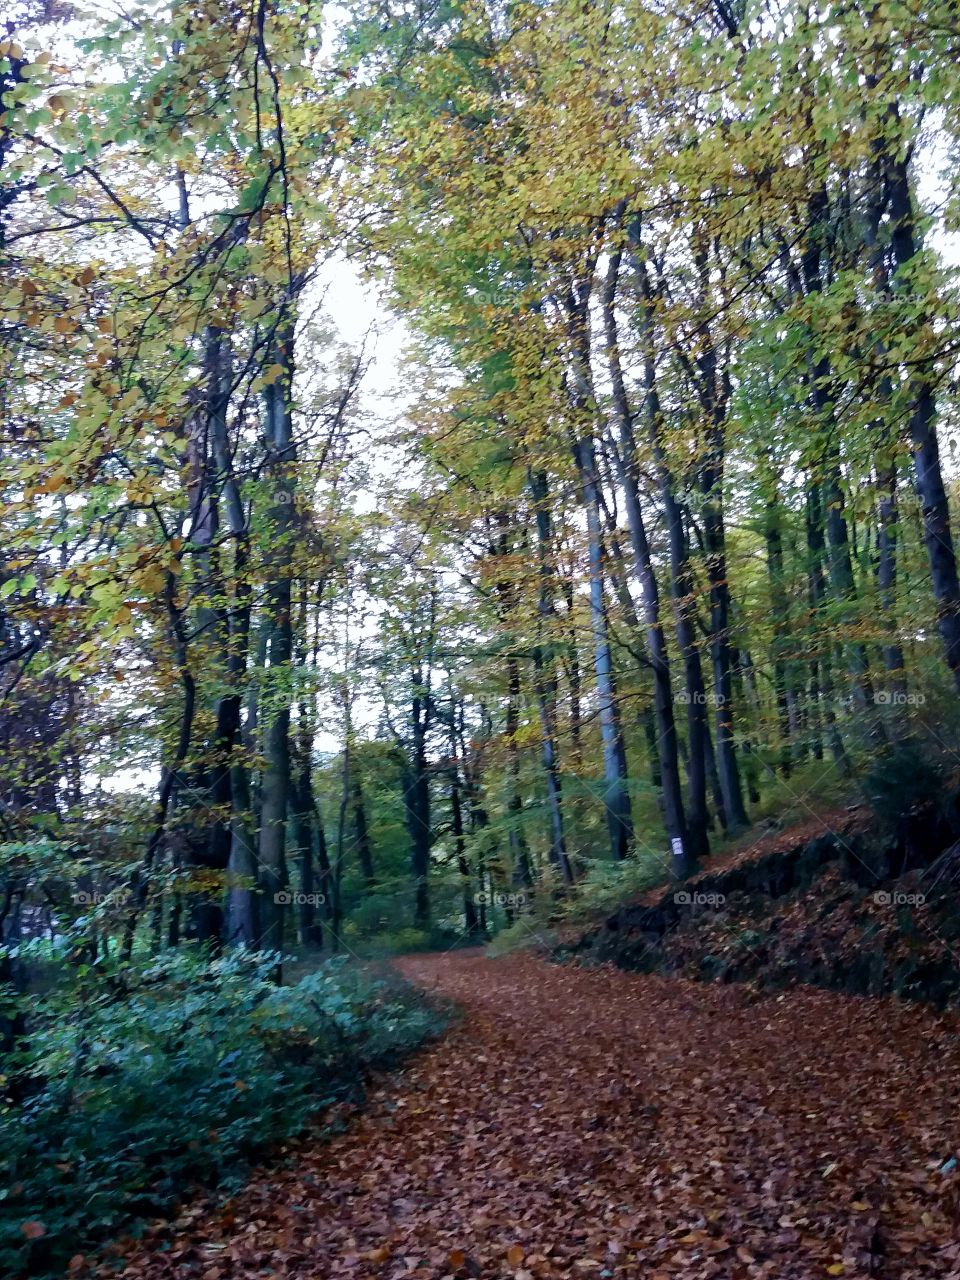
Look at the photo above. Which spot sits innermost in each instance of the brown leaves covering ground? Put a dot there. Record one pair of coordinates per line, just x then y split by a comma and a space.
751, 848
824, 934
595, 1124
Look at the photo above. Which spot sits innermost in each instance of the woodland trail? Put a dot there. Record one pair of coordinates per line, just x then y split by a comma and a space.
593, 1123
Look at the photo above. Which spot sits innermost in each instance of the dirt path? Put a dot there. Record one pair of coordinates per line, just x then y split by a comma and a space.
595, 1124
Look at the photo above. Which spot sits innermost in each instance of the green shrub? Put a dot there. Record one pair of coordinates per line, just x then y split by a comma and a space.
903, 779
137, 1085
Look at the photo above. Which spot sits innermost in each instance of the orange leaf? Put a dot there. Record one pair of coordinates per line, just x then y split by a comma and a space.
33, 1230
515, 1255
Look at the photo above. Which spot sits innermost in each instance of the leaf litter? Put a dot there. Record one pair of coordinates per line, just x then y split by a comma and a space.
594, 1123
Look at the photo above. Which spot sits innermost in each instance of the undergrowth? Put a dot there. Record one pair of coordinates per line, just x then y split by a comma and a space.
128, 1089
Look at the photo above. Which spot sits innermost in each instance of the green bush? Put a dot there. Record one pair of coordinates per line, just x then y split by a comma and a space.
134, 1086
903, 779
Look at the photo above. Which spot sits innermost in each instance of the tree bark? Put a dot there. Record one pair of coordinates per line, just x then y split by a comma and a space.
275, 786
682, 860
928, 474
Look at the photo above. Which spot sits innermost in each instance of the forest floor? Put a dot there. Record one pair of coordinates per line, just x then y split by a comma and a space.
595, 1123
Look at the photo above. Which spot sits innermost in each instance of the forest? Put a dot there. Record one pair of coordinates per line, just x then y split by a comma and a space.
479, 596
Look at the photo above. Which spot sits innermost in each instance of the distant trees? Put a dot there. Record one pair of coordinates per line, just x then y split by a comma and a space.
667, 521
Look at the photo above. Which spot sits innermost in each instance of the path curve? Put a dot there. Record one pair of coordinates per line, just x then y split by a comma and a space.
596, 1124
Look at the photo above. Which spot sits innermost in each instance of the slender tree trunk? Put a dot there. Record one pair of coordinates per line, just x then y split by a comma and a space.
839, 564
714, 390
928, 474
571, 666
243, 898
361, 831
230, 785
780, 617
544, 675
616, 795
817, 595
419, 821
618, 580
309, 929
470, 921
520, 854
275, 786
714, 536
682, 860
309, 925
140, 882
682, 591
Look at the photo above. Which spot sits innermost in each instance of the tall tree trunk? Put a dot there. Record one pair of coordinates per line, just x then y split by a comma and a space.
230, 785
309, 924
817, 592
544, 673
309, 927
571, 666
628, 465
471, 924
275, 786
928, 474
243, 897
715, 394
819, 378
681, 588
618, 580
780, 618
205, 822
520, 854
417, 800
361, 831
616, 795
